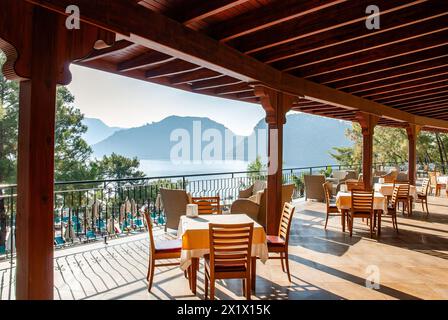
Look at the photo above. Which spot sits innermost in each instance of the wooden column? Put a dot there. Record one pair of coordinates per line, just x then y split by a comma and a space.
368, 123
413, 132
39, 49
276, 105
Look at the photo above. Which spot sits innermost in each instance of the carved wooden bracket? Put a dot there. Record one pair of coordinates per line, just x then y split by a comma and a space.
275, 103
16, 40
367, 122
413, 131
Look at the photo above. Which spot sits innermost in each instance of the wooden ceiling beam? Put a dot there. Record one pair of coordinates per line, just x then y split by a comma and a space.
416, 102
383, 67
196, 10
266, 16
171, 68
422, 105
193, 76
214, 83
103, 53
328, 18
233, 88
402, 87
353, 32
413, 92
418, 95
405, 77
434, 104
145, 60
369, 49
157, 32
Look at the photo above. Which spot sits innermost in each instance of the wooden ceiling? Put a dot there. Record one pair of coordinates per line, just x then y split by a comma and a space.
403, 65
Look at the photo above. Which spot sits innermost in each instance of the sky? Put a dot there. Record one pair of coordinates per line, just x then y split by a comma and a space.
124, 102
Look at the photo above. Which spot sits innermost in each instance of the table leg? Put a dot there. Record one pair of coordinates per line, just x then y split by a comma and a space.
380, 213
194, 274
253, 273
343, 219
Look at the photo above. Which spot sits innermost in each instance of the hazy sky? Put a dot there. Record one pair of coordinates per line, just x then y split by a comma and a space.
125, 102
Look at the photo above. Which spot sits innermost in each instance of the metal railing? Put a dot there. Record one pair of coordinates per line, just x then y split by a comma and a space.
86, 211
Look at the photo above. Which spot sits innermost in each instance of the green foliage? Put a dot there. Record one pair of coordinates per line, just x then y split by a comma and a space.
256, 167
327, 172
72, 153
118, 167
390, 145
299, 182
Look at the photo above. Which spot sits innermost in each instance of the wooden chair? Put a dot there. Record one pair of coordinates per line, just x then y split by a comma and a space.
207, 205
280, 243
392, 207
332, 209
160, 250
354, 185
230, 255
403, 196
422, 195
362, 207
433, 175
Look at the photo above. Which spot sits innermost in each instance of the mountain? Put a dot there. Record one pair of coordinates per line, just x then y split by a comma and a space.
307, 139
156, 141
97, 130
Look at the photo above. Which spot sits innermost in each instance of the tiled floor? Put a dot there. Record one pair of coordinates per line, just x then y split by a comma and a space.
325, 264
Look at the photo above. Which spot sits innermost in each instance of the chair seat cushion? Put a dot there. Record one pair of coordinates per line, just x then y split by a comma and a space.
226, 268
275, 241
168, 246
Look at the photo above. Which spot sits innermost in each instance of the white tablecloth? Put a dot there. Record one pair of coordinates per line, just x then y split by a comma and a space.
387, 189
442, 179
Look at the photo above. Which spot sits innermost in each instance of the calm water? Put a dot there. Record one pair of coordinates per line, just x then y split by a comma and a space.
155, 168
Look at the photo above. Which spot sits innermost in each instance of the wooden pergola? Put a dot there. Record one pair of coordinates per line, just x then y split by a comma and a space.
313, 56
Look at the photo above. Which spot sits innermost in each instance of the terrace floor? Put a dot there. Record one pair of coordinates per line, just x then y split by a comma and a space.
325, 264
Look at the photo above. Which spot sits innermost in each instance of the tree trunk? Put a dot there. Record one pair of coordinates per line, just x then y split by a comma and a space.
441, 153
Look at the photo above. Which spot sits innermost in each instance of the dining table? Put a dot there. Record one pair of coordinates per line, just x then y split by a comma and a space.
194, 233
442, 180
344, 204
387, 189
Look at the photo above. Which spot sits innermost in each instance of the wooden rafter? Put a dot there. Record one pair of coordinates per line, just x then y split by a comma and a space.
145, 60
164, 35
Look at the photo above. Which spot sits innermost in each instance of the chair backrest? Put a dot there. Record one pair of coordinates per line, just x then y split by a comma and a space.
328, 192
286, 221
151, 235
404, 189
433, 177
425, 186
230, 245
354, 185
175, 205
207, 205
313, 187
395, 196
362, 201
391, 176
287, 193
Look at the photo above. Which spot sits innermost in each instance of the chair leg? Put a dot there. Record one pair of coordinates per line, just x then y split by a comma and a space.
287, 265
326, 221
282, 261
151, 277
371, 227
212, 289
243, 285
350, 225
206, 286
248, 288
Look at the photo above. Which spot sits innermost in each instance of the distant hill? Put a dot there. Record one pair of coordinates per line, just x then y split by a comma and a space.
153, 141
98, 130
307, 139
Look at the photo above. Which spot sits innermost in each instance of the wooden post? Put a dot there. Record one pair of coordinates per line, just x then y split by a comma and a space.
368, 123
276, 105
36, 165
413, 132
39, 49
